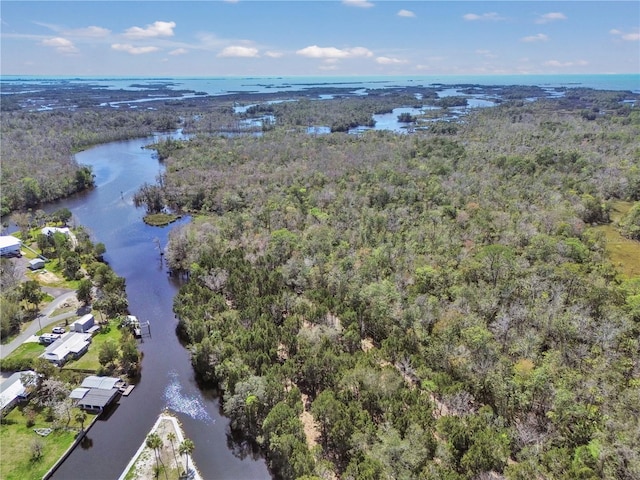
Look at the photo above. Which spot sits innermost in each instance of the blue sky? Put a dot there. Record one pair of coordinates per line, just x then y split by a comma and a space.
350, 37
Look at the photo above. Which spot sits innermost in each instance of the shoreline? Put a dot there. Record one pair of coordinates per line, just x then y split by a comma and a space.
142, 464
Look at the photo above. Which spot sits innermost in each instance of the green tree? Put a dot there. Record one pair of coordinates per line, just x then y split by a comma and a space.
108, 353
84, 291
630, 223
31, 191
186, 448
129, 356
62, 215
31, 292
155, 442
44, 243
99, 250
23, 221
172, 438
81, 417
71, 266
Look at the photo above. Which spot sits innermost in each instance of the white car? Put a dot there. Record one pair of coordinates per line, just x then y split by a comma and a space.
59, 330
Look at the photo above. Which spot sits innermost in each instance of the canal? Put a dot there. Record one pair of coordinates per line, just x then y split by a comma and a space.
167, 381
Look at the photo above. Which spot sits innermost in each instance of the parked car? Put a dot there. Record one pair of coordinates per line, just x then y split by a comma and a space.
59, 330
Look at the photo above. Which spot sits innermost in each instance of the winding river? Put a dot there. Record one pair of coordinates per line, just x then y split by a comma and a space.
167, 380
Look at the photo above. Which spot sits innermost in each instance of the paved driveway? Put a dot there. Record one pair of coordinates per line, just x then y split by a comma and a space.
44, 320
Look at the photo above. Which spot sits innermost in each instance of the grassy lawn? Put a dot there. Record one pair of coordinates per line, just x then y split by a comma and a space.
17, 441
623, 252
27, 350
89, 361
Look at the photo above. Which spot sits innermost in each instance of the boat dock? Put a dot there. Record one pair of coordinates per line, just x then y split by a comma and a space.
126, 390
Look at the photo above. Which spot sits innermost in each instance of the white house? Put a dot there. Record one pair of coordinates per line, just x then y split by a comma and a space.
14, 389
52, 230
9, 245
68, 346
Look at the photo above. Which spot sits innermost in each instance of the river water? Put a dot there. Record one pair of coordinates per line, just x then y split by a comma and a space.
167, 380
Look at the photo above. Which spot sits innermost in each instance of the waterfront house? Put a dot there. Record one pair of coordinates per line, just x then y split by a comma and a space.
101, 383
15, 389
51, 230
9, 246
94, 399
96, 393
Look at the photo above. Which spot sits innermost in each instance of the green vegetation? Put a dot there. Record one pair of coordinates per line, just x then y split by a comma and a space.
89, 361
622, 249
25, 454
160, 219
29, 350
446, 304
75, 263
441, 304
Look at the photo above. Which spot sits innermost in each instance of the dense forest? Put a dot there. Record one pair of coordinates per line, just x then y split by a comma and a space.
442, 304
37, 150
434, 305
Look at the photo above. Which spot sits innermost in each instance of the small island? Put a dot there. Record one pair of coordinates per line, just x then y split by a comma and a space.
166, 451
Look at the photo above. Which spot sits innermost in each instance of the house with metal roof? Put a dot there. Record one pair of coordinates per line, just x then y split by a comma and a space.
83, 324
15, 388
95, 399
96, 393
102, 383
69, 346
9, 245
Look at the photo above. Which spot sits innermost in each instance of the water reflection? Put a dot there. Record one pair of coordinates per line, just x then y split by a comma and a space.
180, 401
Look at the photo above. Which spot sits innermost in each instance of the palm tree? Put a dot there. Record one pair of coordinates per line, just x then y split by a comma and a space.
154, 441
186, 448
81, 416
172, 438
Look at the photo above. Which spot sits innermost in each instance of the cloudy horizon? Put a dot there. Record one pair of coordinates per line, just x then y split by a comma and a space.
349, 37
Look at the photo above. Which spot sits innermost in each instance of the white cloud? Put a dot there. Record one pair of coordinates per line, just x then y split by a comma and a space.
156, 29
551, 17
239, 51
389, 61
125, 47
557, 63
491, 16
357, 3
629, 37
539, 37
91, 31
272, 54
486, 53
406, 13
179, 51
315, 51
62, 45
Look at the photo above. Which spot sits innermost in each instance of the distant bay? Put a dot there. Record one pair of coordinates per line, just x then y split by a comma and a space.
271, 84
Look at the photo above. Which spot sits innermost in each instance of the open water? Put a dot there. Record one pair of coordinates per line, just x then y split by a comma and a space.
270, 84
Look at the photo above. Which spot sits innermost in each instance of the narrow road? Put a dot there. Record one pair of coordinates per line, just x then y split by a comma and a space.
44, 320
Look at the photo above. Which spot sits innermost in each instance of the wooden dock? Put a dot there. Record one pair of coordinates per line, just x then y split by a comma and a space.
127, 390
